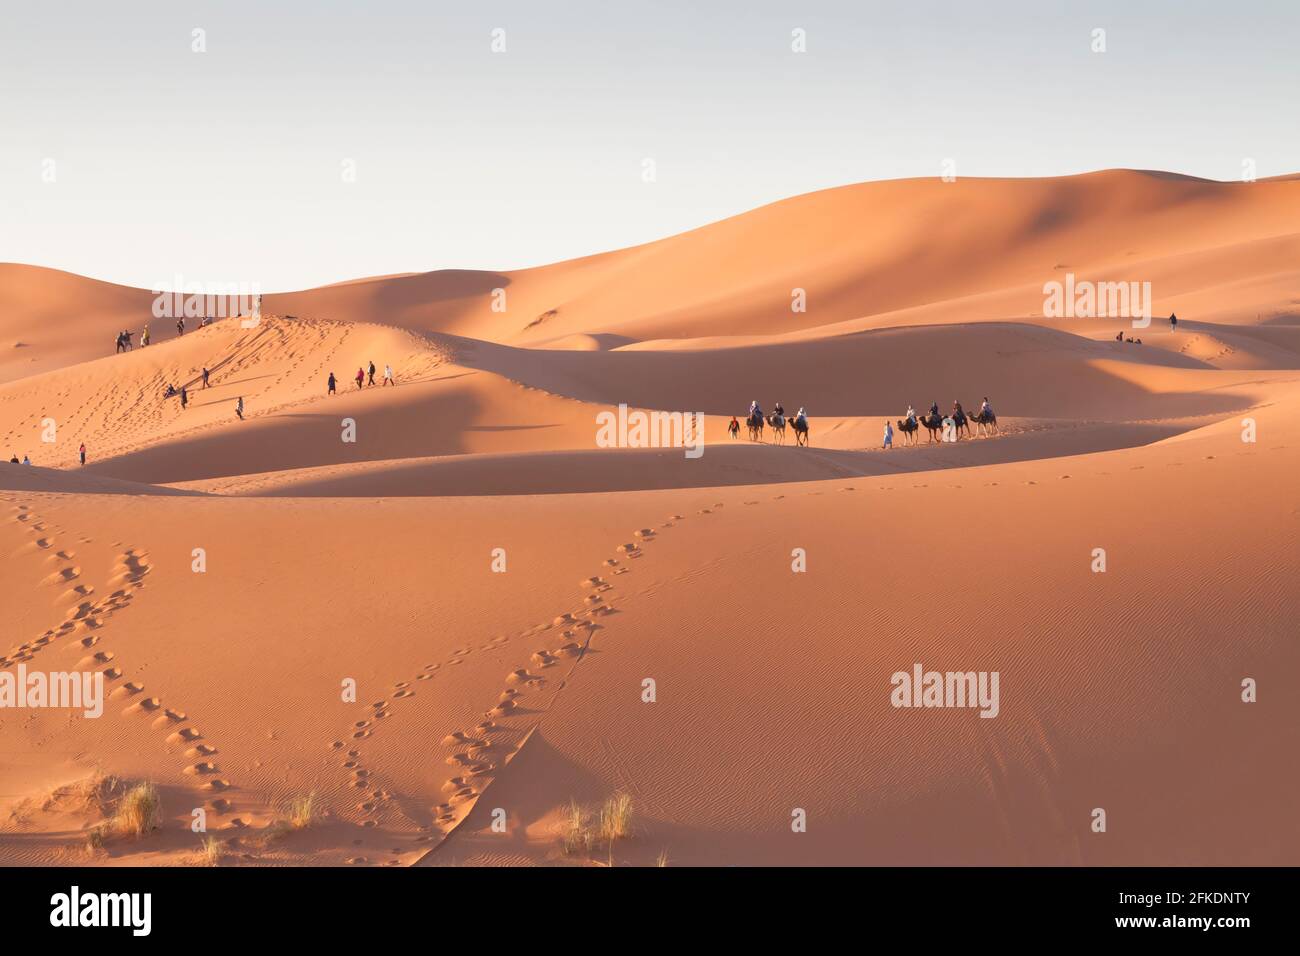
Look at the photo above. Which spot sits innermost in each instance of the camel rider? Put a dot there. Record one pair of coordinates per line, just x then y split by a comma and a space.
801, 419
911, 414
934, 409
778, 410
755, 410
985, 408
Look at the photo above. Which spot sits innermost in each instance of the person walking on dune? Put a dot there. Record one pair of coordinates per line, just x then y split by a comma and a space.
372, 374
889, 435
333, 382
239, 408
83, 454
733, 429
361, 378
144, 338
121, 343
180, 326
127, 336
388, 375
1173, 322
205, 376
185, 398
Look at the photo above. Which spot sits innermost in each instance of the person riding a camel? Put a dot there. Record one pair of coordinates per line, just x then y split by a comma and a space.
755, 410
801, 418
911, 413
778, 409
985, 408
934, 409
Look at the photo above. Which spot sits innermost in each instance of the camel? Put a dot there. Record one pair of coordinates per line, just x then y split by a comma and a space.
961, 421
933, 424
778, 428
987, 423
800, 432
909, 428
755, 423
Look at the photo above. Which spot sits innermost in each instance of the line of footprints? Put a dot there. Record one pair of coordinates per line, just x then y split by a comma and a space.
84, 617
475, 755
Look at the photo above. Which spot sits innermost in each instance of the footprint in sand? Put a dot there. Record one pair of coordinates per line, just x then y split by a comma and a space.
63, 576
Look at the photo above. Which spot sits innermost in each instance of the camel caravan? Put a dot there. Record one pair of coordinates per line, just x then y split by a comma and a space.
953, 427
755, 421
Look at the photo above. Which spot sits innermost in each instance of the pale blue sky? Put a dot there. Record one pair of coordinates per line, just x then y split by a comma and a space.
226, 165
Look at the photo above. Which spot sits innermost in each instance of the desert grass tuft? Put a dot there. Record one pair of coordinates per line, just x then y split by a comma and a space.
212, 850
582, 830
139, 811
302, 811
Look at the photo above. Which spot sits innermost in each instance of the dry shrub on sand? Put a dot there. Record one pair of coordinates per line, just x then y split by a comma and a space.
583, 829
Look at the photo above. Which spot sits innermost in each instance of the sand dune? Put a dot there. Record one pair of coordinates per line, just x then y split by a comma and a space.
498, 587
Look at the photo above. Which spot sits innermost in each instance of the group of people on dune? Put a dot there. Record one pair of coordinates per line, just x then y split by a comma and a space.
126, 336
171, 391
27, 461
365, 378
955, 424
